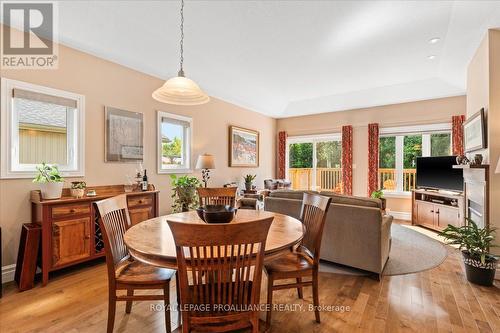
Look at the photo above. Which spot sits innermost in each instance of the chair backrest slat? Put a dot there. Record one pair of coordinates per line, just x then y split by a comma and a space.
220, 264
313, 215
114, 221
217, 196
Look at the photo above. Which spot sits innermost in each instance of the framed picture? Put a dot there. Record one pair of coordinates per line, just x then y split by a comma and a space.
475, 132
243, 147
123, 135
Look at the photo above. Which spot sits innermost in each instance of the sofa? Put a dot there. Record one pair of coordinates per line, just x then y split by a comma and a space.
357, 232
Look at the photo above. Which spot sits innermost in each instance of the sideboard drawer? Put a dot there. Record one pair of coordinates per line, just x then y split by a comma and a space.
140, 200
70, 210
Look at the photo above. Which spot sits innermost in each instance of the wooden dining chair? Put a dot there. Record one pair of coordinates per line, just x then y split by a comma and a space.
220, 266
304, 261
217, 195
123, 272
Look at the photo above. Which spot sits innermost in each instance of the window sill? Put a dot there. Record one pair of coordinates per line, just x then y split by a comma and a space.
174, 171
396, 194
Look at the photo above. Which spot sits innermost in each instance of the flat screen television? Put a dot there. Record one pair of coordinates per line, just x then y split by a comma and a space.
438, 173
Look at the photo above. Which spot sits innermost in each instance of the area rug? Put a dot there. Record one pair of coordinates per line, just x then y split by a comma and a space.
411, 252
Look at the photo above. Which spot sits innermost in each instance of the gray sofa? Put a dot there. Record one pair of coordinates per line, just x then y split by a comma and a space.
357, 232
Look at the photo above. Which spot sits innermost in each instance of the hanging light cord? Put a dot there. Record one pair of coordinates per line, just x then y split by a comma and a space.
181, 71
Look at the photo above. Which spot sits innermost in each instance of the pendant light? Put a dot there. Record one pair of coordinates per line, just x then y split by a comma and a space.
180, 90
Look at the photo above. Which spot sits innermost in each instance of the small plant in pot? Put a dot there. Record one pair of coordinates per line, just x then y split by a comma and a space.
50, 181
474, 242
249, 181
184, 193
379, 194
78, 189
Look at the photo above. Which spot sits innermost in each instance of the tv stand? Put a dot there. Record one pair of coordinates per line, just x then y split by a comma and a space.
436, 209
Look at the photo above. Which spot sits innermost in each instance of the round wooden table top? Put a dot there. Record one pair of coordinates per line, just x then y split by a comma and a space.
151, 241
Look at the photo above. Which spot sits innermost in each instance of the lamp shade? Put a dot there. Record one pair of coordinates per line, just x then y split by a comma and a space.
205, 161
180, 90
497, 170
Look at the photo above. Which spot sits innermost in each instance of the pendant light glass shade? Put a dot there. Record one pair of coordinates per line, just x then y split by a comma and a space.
180, 90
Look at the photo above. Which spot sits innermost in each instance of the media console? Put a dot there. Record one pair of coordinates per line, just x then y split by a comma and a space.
437, 209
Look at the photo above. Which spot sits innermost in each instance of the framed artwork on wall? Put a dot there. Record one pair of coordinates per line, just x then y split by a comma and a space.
475, 132
243, 147
124, 140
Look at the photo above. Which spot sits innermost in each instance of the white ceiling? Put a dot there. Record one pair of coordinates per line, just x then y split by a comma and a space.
288, 58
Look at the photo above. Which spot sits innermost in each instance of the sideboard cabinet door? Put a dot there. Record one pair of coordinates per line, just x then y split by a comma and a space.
70, 240
140, 214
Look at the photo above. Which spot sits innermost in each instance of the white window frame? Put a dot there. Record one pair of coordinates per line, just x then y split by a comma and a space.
402, 131
188, 145
10, 166
308, 139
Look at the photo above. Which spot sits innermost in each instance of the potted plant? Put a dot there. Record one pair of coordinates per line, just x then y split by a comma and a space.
248, 181
49, 180
474, 242
379, 194
78, 189
184, 193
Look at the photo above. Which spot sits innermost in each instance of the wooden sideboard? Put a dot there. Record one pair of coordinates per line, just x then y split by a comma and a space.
70, 226
437, 209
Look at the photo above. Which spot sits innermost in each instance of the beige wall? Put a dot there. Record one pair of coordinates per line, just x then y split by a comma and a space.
483, 90
414, 113
105, 83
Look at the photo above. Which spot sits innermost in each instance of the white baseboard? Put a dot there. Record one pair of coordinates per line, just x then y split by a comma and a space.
8, 273
400, 215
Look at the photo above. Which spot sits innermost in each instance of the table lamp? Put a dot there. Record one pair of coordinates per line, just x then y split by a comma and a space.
497, 170
205, 163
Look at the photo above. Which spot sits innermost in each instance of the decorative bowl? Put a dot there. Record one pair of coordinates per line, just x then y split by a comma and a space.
216, 213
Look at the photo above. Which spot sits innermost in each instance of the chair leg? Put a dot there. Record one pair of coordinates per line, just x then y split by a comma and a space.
185, 323
128, 306
166, 304
269, 299
316, 295
299, 289
178, 294
255, 323
111, 310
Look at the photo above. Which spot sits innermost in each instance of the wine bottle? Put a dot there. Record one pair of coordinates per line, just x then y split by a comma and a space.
145, 181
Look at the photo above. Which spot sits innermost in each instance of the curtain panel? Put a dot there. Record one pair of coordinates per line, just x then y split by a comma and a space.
347, 160
373, 142
281, 154
457, 130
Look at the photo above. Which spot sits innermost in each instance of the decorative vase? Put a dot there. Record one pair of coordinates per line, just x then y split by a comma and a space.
478, 159
52, 190
77, 192
248, 186
462, 160
477, 272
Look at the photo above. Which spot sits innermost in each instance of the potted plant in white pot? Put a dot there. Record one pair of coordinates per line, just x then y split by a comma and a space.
50, 181
475, 244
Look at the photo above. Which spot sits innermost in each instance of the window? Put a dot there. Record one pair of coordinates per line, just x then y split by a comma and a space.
41, 125
314, 162
174, 143
399, 149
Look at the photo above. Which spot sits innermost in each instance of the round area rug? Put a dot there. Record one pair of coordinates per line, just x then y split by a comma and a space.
411, 252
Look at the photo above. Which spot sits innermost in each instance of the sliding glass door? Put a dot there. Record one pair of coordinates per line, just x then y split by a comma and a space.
314, 162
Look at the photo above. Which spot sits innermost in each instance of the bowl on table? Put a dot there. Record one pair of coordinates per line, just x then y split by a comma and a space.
216, 213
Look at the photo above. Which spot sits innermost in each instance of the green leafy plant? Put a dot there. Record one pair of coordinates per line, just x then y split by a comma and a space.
471, 239
249, 178
47, 173
378, 194
184, 193
78, 185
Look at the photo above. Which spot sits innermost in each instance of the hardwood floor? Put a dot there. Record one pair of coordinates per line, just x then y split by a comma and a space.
438, 300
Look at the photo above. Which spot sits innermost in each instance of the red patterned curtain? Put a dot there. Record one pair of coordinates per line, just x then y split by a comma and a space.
458, 134
347, 160
281, 155
373, 140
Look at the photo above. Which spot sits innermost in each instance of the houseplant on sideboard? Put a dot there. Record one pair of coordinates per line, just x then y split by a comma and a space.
184, 193
50, 181
249, 181
474, 242
78, 189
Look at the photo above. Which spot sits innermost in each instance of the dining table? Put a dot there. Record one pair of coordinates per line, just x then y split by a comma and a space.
152, 242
